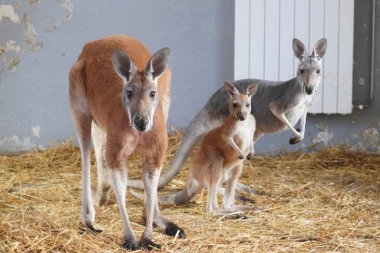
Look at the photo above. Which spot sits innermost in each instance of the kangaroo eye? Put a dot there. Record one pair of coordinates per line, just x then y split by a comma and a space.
302, 71
152, 94
129, 94
318, 71
234, 105
247, 105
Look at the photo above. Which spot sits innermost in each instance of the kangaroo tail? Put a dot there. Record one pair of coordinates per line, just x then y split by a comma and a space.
189, 192
198, 127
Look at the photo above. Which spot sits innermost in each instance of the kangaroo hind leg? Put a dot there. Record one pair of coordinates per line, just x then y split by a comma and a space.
102, 194
81, 117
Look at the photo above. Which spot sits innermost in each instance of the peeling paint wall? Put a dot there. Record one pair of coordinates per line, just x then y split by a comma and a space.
24, 25
40, 40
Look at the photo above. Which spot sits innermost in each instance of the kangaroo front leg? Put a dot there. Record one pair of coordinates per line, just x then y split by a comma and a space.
296, 139
281, 116
252, 152
150, 180
232, 143
119, 182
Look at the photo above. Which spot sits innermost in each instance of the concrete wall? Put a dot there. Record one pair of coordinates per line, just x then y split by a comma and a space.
40, 40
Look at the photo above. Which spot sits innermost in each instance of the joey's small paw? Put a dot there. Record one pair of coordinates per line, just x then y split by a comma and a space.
250, 156
241, 156
172, 230
149, 245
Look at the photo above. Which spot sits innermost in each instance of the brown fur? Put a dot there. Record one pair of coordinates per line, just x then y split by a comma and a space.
96, 95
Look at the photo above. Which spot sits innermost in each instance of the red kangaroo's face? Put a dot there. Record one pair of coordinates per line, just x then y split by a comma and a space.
140, 96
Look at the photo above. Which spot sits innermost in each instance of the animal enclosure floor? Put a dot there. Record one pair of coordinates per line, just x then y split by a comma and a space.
326, 201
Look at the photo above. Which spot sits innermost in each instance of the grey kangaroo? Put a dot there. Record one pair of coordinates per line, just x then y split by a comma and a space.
276, 106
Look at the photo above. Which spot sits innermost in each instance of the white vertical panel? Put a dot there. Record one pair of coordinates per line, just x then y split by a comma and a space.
242, 37
257, 39
346, 45
286, 61
272, 37
330, 91
301, 25
264, 30
316, 32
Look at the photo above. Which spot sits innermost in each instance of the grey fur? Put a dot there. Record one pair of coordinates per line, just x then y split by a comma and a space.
273, 104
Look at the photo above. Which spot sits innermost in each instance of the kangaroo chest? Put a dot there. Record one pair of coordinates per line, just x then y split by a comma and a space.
243, 134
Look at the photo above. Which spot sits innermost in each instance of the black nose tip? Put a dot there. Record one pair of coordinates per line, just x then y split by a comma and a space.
140, 123
309, 89
240, 116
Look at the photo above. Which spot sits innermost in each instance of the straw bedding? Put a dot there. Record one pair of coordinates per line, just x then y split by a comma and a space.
323, 201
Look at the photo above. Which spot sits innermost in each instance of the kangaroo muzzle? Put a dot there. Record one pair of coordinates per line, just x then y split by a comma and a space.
309, 89
140, 123
240, 116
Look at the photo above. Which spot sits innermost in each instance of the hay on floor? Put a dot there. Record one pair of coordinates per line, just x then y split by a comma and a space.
326, 201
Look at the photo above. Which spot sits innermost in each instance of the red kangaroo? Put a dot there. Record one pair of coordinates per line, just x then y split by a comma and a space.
120, 96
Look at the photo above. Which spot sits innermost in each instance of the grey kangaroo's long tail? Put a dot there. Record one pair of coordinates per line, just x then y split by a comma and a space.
194, 132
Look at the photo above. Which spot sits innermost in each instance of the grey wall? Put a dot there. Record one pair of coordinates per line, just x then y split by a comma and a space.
34, 109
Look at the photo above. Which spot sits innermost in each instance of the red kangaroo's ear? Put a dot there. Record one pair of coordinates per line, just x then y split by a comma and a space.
123, 65
157, 64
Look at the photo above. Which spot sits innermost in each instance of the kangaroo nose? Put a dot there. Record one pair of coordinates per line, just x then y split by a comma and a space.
241, 116
140, 123
309, 89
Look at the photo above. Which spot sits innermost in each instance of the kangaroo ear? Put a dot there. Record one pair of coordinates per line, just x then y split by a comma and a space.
251, 90
320, 48
299, 49
230, 88
123, 65
157, 64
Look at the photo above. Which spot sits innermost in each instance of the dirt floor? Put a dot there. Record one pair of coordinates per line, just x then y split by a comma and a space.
325, 201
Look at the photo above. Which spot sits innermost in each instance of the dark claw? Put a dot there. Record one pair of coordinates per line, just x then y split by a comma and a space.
149, 245
246, 200
294, 140
89, 228
171, 229
241, 216
241, 157
95, 231
130, 245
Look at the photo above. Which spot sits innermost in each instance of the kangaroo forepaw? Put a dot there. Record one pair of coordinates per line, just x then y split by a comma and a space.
250, 156
172, 230
241, 156
294, 140
148, 244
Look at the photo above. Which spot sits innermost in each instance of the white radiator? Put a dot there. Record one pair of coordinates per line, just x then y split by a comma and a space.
264, 30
